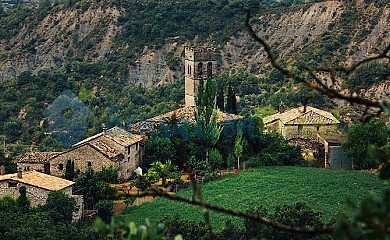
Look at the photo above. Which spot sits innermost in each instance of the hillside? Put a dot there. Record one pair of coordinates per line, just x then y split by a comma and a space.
323, 190
148, 38
124, 60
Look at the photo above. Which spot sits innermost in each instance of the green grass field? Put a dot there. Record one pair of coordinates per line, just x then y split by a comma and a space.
323, 190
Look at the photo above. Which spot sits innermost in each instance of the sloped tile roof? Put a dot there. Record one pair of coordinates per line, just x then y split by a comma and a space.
303, 115
37, 157
182, 115
116, 134
107, 142
40, 180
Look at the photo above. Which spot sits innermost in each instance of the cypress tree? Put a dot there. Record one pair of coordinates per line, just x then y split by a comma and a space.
220, 100
23, 202
231, 104
69, 171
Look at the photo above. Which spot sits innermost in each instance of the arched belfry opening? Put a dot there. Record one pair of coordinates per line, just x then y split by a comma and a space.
200, 63
200, 69
209, 69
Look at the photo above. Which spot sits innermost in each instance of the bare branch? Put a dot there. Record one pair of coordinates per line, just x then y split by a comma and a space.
317, 84
232, 212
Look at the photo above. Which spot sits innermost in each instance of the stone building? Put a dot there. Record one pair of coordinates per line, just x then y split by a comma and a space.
115, 147
38, 185
314, 130
301, 122
37, 161
199, 64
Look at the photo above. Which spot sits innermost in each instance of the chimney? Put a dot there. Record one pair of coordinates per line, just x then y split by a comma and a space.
281, 107
20, 173
2, 170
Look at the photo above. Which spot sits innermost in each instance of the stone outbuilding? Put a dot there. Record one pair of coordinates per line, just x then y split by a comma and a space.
115, 147
38, 185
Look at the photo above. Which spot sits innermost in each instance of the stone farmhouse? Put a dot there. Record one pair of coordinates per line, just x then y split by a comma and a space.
38, 185
301, 122
313, 129
114, 146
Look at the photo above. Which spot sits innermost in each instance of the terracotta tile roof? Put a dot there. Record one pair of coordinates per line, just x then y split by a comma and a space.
116, 134
303, 115
40, 180
36, 157
106, 146
182, 115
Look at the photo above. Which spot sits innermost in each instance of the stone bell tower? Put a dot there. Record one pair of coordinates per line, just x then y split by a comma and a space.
199, 64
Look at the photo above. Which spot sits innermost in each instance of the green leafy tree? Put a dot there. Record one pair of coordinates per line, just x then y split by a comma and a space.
359, 137
238, 144
162, 170
7, 162
105, 210
158, 149
60, 207
92, 188
206, 130
108, 174
216, 158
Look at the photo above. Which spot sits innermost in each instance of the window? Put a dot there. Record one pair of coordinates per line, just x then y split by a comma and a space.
136, 146
61, 166
128, 150
12, 184
89, 164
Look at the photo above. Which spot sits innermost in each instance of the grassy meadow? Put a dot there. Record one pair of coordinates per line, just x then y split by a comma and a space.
323, 190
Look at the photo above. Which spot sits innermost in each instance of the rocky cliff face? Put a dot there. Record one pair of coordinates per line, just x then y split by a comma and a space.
88, 34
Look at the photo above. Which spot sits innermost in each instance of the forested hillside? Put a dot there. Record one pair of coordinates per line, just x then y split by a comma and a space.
123, 59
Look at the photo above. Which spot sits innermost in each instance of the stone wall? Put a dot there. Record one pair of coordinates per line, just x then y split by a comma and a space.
38, 196
81, 156
131, 161
79, 207
39, 167
309, 131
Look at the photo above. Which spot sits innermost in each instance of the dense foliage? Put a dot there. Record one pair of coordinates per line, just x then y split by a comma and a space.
360, 137
24, 101
50, 221
93, 187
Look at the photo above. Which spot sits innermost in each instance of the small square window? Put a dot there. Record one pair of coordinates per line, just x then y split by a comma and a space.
89, 164
61, 166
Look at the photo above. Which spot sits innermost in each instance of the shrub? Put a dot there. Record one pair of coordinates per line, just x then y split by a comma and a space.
105, 210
